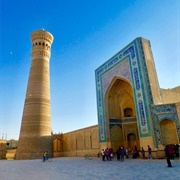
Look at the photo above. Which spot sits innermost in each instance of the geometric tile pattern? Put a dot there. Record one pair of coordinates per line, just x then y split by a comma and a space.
121, 70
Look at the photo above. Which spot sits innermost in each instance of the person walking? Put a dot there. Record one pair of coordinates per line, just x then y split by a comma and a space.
133, 153
110, 154
143, 153
127, 153
149, 152
168, 156
171, 151
118, 154
121, 154
103, 155
107, 154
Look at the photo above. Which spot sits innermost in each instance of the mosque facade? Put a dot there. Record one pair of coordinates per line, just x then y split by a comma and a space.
132, 108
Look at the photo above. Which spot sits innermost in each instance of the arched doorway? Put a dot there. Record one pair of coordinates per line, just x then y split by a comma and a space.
131, 138
121, 113
168, 132
116, 137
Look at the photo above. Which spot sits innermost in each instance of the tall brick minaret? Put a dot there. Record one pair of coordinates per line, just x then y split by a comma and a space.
35, 134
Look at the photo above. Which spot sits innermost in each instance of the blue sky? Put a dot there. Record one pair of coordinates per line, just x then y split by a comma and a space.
86, 34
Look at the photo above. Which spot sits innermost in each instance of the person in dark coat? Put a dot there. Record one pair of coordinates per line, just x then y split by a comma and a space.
121, 152
118, 155
168, 156
143, 153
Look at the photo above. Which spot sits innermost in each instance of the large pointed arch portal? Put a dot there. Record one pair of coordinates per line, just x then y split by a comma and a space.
127, 68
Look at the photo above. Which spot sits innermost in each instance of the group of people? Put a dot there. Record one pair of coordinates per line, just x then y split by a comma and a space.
135, 152
170, 150
107, 154
173, 150
121, 152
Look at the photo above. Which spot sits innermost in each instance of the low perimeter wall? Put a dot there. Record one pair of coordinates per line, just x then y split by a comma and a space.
77, 143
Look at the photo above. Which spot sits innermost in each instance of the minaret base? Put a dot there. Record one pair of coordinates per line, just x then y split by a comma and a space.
40, 145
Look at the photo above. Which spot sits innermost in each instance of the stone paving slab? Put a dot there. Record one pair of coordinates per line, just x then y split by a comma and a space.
68, 168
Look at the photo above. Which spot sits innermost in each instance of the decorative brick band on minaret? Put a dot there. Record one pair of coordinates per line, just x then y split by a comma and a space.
35, 134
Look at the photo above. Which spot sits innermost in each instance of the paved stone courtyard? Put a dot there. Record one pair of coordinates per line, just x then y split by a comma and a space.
68, 168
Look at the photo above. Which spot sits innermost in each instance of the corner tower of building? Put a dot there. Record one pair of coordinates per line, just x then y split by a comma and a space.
35, 134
